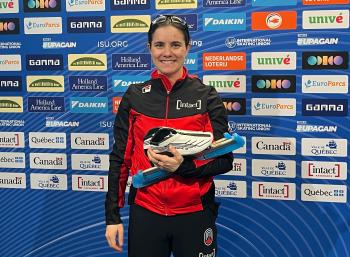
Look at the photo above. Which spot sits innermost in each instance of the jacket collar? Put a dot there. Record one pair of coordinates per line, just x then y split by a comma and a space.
166, 82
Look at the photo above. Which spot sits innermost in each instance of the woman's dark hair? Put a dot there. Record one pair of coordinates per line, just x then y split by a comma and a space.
163, 20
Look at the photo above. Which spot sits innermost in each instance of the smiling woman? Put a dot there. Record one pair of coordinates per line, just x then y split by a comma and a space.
176, 215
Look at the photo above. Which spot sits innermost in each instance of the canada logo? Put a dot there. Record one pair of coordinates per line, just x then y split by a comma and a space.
208, 237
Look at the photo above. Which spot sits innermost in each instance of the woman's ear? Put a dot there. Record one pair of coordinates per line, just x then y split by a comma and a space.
149, 46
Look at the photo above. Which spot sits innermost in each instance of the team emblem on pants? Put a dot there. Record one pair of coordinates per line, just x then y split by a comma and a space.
208, 237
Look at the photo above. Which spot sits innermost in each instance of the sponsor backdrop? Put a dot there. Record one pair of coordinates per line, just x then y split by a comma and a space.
281, 67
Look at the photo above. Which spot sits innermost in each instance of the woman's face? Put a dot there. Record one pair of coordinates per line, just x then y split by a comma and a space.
169, 50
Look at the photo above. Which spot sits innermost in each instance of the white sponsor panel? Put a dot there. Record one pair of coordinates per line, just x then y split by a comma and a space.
274, 145
274, 60
97, 141
10, 62
273, 106
90, 162
273, 168
13, 160
43, 25
330, 84
242, 149
48, 181
226, 83
231, 188
9, 6
239, 168
324, 147
54, 161
326, 19
273, 190
52, 140
90, 183
85, 6
324, 170
324, 193
12, 180
11, 140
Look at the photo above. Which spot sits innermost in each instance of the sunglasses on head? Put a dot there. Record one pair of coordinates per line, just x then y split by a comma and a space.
172, 18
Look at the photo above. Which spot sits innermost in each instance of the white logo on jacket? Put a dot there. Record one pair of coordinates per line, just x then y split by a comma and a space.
180, 105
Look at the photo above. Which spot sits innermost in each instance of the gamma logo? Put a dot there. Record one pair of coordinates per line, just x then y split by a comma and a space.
11, 104
325, 60
48, 62
9, 6
42, 5
279, 20
9, 26
324, 107
274, 84
45, 83
10, 83
326, 19
130, 4
130, 24
91, 24
224, 21
176, 4
88, 62
235, 106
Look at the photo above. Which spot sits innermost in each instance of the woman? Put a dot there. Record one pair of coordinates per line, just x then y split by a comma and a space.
176, 215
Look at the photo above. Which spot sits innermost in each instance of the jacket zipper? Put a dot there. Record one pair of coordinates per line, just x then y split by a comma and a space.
166, 124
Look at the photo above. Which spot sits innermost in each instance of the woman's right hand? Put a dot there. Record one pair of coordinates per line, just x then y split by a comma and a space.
115, 236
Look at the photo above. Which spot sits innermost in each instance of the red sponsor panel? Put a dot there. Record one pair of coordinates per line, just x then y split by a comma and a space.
278, 20
116, 102
224, 61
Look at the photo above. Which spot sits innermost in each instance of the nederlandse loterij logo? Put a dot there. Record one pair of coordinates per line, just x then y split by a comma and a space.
43, 25
224, 61
11, 104
224, 21
9, 26
45, 83
88, 62
324, 170
10, 83
226, 83
273, 168
130, 4
85, 6
331, 84
274, 83
9, 6
230, 188
274, 60
176, 4
326, 19
325, 60
42, 5
91, 24
273, 106
130, 23
274, 145
273, 190
10, 62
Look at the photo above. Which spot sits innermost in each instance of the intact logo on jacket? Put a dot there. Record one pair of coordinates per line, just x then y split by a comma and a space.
181, 105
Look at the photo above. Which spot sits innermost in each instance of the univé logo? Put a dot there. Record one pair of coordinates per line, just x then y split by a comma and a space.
9, 6
129, 24
279, 20
273, 84
326, 19
9, 26
176, 4
42, 5
274, 60
325, 60
80, 62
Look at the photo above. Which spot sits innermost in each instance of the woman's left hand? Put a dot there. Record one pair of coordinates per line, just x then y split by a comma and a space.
165, 162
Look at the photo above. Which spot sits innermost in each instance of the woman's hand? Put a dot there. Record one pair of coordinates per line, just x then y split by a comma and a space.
115, 236
165, 162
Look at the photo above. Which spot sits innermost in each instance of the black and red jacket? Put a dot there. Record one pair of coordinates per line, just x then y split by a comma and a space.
187, 105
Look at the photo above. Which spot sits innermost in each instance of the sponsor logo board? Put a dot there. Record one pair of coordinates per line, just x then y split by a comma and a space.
226, 83
92, 141
273, 190
48, 181
99, 162
324, 147
54, 161
231, 188
224, 61
274, 145
51, 140
274, 60
273, 106
330, 84
11, 140
87, 62
273, 168
324, 170
324, 193
14, 160
12, 180
45, 83
89, 183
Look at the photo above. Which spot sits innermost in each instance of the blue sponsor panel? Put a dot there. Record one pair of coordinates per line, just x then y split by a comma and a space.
92, 24
89, 105
121, 83
324, 107
225, 3
131, 61
130, 4
88, 83
10, 84
273, 2
191, 61
48, 62
224, 21
46, 104
191, 20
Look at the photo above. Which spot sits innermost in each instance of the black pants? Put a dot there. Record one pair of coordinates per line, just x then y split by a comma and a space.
185, 235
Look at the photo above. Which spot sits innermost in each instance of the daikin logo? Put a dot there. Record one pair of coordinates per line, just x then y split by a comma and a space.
224, 21
89, 104
121, 83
